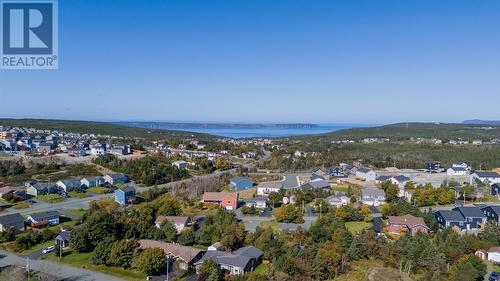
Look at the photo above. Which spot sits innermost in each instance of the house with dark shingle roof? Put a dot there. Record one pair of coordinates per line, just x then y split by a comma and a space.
62, 240
366, 174
114, 179
492, 213
485, 176
473, 215
463, 218
495, 190
42, 219
15, 221
319, 184
240, 261
449, 218
125, 196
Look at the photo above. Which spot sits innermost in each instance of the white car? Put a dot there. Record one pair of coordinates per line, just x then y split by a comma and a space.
48, 249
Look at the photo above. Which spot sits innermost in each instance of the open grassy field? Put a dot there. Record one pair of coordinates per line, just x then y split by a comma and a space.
83, 260
371, 270
99, 190
357, 226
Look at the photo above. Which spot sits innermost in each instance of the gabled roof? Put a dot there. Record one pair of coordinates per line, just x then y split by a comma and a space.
408, 220
383, 178
64, 235
127, 189
187, 254
256, 199
219, 196
450, 215
249, 251
172, 219
10, 219
239, 258
44, 215
401, 178
316, 184
458, 169
494, 208
363, 170
470, 212
271, 184
487, 174
372, 192
116, 176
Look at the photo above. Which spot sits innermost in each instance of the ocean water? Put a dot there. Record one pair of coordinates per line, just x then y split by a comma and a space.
272, 132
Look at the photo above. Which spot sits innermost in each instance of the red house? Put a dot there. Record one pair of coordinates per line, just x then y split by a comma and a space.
227, 200
399, 224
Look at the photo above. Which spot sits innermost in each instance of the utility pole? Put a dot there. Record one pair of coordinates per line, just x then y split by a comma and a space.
28, 266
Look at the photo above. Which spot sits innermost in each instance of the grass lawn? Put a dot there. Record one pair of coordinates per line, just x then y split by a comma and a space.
272, 224
51, 198
78, 212
78, 194
341, 188
83, 260
37, 247
99, 190
357, 226
361, 269
248, 193
22, 205
262, 268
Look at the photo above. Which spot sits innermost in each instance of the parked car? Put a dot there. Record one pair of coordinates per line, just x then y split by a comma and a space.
494, 276
48, 249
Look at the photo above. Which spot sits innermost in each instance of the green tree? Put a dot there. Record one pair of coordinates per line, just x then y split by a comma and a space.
186, 237
122, 253
151, 261
169, 231
101, 251
80, 241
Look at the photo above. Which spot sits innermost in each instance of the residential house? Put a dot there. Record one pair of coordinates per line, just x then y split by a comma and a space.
69, 184
227, 200
337, 201
243, 260
179, 222
91, 182
180, 164
462, 218
264, 188
337, 172
372, 196
399, 224
494, 255
319, 184
456, 171
4, 190
121, 150
43, 219
481, 253
461, 165
257, 202
495, 190
183, 257
316, 178
125, 196
217, 246
39, 188
97, 149
114, 179
14, 221
492, 213
366, 174
485, 176
433, 166
62, 239
318, 172
77, 151
240, 183
45, 148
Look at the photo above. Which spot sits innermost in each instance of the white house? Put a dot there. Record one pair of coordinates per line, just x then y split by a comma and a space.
179, 222
485, 176
337, 201
494, 255
180, 164
456, 171
372, 196
366, 174
264, 188
461, 165
69, 185
97, 149
257, 202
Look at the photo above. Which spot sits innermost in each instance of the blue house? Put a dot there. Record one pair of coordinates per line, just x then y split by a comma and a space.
240, 183
492, 213
495, 189
465, 218
125, 196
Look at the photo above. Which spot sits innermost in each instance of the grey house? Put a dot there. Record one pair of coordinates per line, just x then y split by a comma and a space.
15, 221
240, 261
69, 185
449, 218
464, 218
42, 219
62, 240
39, 188
91, 182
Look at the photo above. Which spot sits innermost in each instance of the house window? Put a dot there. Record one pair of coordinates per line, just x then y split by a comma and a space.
228, 202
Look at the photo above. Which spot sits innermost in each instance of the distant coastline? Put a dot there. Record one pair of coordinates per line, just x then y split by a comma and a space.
250, 130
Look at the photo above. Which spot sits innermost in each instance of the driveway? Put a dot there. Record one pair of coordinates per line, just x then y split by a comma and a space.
55, 269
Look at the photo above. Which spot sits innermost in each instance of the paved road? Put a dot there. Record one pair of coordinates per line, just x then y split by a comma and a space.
55, 269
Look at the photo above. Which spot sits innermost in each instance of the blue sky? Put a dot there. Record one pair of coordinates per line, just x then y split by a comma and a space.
267, 61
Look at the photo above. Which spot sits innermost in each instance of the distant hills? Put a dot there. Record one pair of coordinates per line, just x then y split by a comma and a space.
415, 130
103, 128
482, 122
187, 126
